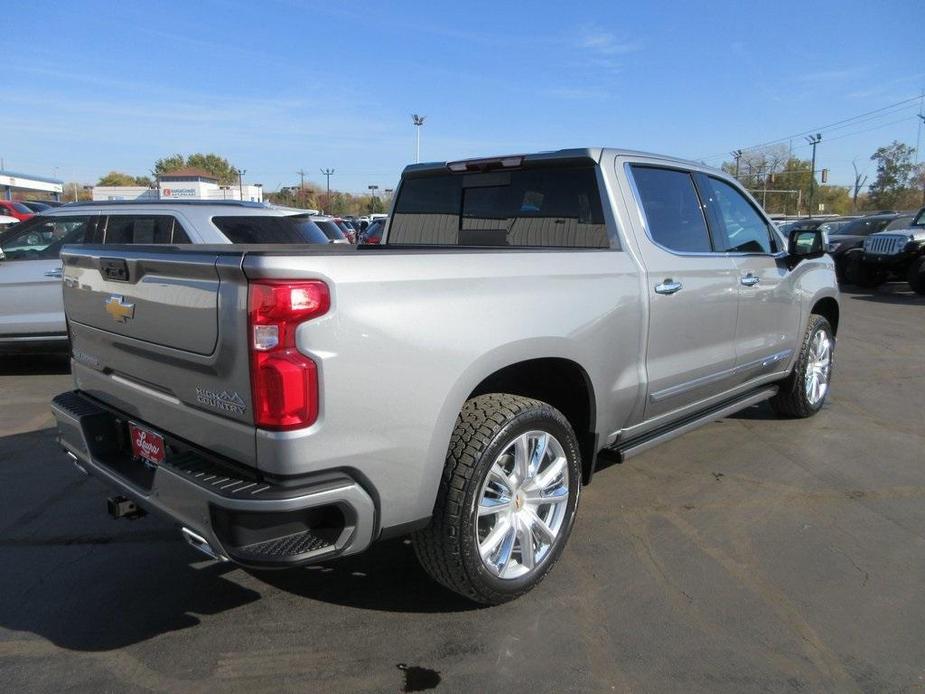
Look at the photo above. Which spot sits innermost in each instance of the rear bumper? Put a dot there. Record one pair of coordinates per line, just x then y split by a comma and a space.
242, 517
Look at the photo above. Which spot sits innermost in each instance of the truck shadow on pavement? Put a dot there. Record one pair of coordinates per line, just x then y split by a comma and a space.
34, 364
892, 293
387, 577
86, 582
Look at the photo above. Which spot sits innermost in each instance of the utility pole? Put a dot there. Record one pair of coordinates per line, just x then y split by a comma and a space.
918, 133
737, 155
813, 140
327, 173
241, 173
418, 122
301, 173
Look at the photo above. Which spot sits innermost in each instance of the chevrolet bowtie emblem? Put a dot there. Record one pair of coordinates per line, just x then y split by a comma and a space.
118, 309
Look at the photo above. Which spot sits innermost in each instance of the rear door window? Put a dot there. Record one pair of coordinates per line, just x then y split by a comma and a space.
144, 229
672, 209
270, 229
547, 208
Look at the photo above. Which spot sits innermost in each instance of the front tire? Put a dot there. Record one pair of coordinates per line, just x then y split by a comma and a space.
916, 275
507, 500
804, 391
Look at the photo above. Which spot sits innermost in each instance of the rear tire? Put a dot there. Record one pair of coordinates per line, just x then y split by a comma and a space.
507, 500
804, 392
916, 275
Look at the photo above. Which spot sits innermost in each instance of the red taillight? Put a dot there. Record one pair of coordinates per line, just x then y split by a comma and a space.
284, 382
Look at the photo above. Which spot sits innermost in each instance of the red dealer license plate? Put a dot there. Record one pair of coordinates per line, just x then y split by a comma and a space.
146, 444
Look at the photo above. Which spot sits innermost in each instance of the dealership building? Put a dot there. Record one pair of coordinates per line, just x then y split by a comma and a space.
27, 185
182, 184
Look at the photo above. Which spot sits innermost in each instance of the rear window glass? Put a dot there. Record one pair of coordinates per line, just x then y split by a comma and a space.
19, 207
144, 229
524, 208
330, 229
672, 208
267, 229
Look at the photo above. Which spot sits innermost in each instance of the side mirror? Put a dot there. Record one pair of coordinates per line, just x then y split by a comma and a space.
805, 244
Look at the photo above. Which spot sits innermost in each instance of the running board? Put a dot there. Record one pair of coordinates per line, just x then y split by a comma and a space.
640, 444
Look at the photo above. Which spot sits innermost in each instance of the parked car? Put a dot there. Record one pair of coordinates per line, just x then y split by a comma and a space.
846, 243
372, 234
36, 206
330, 229
31, 313
347, 228
804, 223
6, 222
526, 314
14, 208
895, 254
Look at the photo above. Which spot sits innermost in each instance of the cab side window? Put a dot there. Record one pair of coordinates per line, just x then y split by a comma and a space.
740, 228
672, 209
144, 229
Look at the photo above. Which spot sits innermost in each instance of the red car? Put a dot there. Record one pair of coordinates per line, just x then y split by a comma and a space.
16, 209
347, 229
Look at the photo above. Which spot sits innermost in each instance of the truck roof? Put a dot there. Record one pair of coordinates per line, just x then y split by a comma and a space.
561, 157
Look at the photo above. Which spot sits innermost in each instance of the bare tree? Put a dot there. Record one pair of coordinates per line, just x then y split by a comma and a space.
859, 180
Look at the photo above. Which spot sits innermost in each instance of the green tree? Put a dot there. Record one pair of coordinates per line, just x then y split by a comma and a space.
896, 175
171, 163
218, 166
116, 178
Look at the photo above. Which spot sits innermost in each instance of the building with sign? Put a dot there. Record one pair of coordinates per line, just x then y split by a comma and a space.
182, 184
26, 185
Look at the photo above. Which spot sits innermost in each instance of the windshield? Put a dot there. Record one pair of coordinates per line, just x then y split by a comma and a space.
267, 229
42, 237
920, 219
863, 227
903, 222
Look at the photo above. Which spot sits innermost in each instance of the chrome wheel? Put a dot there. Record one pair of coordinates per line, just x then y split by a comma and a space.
818, 367
522, 505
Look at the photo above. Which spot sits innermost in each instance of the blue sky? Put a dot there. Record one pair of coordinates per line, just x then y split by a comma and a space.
278, 85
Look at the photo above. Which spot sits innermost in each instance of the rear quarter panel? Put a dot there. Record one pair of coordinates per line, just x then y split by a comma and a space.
410, 335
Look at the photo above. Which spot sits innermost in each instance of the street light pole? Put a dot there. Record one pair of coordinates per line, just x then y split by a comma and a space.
327, 173
813, 140
241, 173
418, 122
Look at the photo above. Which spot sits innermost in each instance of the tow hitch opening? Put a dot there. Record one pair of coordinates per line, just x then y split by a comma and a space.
122, 507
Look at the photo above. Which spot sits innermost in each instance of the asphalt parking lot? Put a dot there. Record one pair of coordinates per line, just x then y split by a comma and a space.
754, 554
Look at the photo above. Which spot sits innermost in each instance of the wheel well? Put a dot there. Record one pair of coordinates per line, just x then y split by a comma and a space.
561, 383
828, 309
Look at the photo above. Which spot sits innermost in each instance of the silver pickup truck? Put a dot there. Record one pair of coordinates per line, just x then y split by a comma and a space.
526, 319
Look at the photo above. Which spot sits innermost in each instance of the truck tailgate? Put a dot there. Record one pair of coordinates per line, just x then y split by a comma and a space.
159, 333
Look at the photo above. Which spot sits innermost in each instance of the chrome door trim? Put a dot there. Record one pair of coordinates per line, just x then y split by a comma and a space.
681, 388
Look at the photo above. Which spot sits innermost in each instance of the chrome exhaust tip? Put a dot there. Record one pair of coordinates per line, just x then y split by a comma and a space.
200, 543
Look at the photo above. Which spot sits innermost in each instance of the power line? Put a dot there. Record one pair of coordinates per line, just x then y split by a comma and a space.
811, 131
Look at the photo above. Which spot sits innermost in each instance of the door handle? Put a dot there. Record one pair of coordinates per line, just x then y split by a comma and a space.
750, 280
56, 273
669, 286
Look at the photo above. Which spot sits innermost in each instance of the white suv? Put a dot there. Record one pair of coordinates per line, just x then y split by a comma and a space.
32, 314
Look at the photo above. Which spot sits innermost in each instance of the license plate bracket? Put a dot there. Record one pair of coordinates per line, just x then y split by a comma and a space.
147, 445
